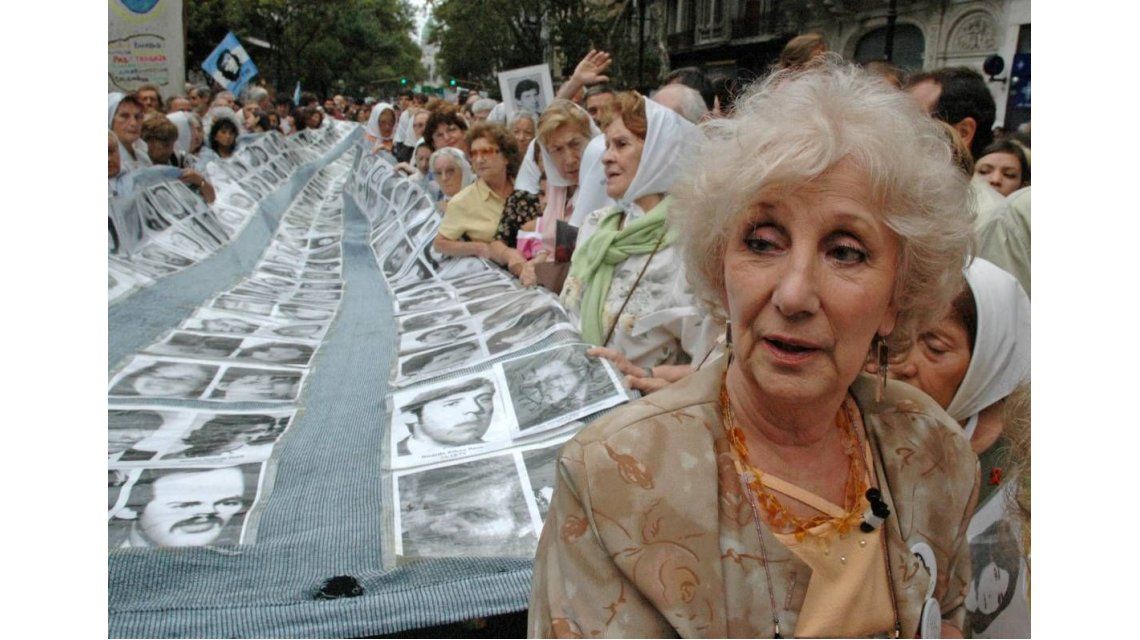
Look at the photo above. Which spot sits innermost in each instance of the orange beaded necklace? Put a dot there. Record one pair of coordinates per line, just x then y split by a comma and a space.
775, 512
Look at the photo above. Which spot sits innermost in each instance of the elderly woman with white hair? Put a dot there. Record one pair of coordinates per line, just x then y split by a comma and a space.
781, 491
452, 173
125, 118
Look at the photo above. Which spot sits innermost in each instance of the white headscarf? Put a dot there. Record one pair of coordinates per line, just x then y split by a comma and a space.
373, 126
591, 194
1000, 359
666, 137
529, 174
181, 120
460, 160
126, 162
113, 100
214, 114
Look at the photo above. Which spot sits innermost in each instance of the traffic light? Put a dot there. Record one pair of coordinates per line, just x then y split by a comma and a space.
452, 83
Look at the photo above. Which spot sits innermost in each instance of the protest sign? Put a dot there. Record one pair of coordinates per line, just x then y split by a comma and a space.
145, 46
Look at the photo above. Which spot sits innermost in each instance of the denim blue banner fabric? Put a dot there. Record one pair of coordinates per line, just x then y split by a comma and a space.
329, 505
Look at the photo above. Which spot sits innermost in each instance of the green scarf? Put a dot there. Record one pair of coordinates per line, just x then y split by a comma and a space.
593, 263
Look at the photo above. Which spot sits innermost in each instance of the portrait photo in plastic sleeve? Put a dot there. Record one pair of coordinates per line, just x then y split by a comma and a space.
193, 345
449, 419
184, 507
149, 377
433, 337
428, 319
551, 387
438, 361
275, 352
470, 509
213, 321
181, 437
245, 383
997, 598
528, 328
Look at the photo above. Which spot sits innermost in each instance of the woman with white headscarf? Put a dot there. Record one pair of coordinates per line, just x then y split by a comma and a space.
381, 128
625, 289
970, 363
564, 131
452, 173
124, 118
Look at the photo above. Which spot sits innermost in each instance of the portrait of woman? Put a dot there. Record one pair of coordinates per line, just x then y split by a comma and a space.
826, 221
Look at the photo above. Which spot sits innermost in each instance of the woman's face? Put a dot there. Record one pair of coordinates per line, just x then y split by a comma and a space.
225, 137
523, 132
113, 164
387, 123
992, 583
622, 157
449, 176
197, 135
449, 135
937, 361
362, 116
127, 123
488, 160
1001, 170
422, 156
419, 123
809, 278
565, 147
315, 120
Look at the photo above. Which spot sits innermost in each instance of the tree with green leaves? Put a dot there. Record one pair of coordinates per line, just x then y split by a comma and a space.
479, 38
355, 47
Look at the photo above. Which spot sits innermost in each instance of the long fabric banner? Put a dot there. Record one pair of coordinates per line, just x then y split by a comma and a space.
318, 426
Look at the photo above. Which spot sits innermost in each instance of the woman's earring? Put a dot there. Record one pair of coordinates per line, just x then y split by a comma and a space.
884, 358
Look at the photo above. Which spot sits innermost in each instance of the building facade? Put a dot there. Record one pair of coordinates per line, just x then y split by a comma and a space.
742, 38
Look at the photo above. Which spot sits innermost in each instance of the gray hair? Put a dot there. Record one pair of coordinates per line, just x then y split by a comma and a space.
456, 156
256, 94
795, 126
519, 115
690, 105
483, 104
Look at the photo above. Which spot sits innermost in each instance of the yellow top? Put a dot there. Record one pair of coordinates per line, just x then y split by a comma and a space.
473, 212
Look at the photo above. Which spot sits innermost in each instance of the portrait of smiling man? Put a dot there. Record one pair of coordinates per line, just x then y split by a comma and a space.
448, 416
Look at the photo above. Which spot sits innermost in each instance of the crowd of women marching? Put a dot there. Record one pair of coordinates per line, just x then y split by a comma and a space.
819, 281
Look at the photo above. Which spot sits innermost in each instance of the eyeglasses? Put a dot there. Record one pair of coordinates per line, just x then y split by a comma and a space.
483, 153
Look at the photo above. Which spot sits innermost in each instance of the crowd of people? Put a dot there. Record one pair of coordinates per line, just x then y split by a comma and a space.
819, 281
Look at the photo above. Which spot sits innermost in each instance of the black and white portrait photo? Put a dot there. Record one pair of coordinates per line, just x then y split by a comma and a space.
528, 88
192, 345
158, 254
243, 305
467, 509
485, 291
127, 427
553, 386
161, 196
396, 259
302, 312
527, 328
301, 331
214, 321
233, 435
435, 337
280, 353
451, 356
242, 384
180, 507
150, 378
432, 299
437, 417
425, 320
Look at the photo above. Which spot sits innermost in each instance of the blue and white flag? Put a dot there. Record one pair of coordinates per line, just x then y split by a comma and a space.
297, 95
229, 65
